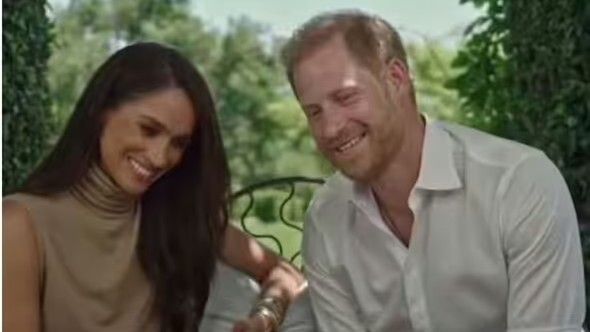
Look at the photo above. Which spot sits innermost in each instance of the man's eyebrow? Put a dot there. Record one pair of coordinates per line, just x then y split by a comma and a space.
344, 90
308, 106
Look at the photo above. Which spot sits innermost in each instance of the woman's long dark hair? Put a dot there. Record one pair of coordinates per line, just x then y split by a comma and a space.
184, 214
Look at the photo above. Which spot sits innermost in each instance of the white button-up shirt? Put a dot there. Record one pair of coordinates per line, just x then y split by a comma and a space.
495, 245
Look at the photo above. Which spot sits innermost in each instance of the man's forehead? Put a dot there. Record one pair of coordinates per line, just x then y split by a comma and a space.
326, 83
332, 58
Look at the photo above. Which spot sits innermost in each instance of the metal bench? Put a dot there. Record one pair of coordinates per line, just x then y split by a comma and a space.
233, 293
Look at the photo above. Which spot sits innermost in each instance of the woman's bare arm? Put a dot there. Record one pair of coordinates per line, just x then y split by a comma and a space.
21, 271
279, 279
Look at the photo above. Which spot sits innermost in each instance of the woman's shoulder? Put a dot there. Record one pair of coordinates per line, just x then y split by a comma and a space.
14, 207
25, 208
17, 206
30, 202
28, 218
18, 222
32, 208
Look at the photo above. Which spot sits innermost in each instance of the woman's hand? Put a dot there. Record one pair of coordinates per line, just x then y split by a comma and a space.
281, 282
277, 277
256, 323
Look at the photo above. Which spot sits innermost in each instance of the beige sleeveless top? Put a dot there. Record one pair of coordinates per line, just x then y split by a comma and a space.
91, 276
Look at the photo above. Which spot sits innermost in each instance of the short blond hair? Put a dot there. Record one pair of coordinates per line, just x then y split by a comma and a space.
371, 40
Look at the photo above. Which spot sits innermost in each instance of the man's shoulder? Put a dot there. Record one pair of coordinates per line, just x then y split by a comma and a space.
331, 200
484, 148
336, 188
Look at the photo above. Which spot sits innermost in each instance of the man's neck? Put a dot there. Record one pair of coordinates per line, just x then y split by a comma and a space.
395, 183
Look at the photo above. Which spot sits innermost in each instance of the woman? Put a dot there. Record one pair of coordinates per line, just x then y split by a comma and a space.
120, 227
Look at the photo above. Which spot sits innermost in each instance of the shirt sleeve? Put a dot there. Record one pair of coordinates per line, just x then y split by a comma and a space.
332, 304
542, 248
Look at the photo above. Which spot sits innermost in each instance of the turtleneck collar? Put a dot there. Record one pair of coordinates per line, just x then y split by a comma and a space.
98, 191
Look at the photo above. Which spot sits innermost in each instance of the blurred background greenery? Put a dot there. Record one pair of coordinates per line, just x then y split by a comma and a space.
516, 68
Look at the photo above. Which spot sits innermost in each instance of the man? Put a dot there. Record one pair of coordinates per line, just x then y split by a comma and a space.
427, 226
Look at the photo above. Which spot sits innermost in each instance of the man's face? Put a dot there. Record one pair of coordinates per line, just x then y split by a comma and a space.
351, 110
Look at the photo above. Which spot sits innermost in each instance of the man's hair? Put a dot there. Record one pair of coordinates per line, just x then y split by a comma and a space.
370, 40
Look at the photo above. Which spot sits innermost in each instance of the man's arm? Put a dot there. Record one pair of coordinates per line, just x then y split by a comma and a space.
332, 304
542, 248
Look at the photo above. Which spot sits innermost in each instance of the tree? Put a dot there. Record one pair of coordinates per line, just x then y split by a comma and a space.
525, 75
430, 64
248, 80
26, 113
88, 31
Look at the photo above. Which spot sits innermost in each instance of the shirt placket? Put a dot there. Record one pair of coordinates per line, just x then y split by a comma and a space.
414, 290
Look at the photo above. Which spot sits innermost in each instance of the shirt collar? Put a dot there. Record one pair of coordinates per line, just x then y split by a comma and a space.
438, 170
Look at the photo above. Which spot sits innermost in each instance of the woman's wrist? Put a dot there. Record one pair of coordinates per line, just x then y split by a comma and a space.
279, 288
272, 310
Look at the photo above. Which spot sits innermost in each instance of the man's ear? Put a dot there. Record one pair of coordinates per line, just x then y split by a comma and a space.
397, 73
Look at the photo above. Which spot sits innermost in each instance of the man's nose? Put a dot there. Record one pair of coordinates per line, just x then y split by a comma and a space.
332, 123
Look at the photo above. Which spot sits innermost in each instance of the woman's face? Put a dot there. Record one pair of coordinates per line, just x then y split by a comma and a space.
144, 138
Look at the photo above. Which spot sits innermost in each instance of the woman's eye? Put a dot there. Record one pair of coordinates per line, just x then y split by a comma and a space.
148, 131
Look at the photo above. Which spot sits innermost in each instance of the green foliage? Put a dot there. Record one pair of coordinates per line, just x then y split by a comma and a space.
265, 208
525, 75
26, 113
264, 217
431, 70
88, 31
246, 78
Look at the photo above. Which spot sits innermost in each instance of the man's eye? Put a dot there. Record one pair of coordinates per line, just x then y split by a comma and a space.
314, 112
348, 98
